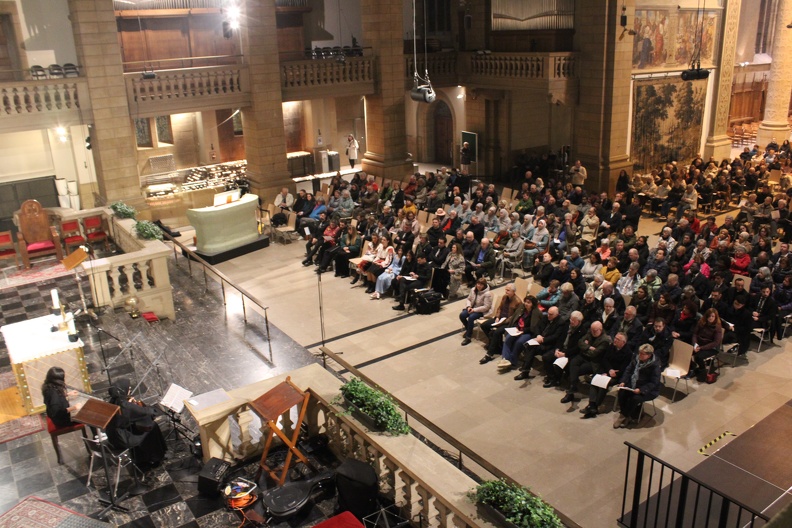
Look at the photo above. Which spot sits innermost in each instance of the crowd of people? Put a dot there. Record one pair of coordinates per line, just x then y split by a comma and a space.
611, 302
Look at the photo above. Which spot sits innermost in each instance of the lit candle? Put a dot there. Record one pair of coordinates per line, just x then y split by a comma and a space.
55, 300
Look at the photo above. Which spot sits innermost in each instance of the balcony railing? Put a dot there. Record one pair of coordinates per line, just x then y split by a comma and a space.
305, 78
187, 89
142, 272
442, 68
528, 66
58, 101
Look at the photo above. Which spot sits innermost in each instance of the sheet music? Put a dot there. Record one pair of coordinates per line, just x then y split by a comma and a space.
174, 398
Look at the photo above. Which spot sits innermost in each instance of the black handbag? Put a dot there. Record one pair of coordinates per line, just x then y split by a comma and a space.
427, 302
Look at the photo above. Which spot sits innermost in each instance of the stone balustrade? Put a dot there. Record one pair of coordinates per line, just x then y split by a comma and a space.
188, 88
141, 271
439, 65
35, 104
303, 79
544, 66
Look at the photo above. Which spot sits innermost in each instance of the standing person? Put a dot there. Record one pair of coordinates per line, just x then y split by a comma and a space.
56, 397
465, 157
352, 150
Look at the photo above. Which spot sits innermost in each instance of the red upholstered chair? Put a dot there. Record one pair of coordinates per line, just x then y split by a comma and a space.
342, 520
71, 235
7, 249
36, 236
95, 230
55, 432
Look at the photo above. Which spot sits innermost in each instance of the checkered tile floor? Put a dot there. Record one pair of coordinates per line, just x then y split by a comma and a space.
28, 465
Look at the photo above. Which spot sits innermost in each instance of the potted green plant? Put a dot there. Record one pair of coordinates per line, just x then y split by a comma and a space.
122, 210
376, 407
148, 230
513, 506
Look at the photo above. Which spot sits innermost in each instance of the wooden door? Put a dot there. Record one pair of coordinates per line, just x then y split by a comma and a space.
443, 134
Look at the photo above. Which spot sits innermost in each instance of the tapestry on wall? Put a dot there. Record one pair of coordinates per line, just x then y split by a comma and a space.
666, 39
667, 121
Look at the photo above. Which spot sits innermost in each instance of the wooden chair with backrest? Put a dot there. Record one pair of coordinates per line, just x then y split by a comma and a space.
71, 234
36, 236
7, 249
55, 431
678, 364
521, 288
95, 230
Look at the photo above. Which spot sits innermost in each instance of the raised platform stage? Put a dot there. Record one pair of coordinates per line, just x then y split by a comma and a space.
222, 256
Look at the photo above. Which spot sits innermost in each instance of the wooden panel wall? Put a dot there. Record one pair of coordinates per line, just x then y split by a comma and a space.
175, 37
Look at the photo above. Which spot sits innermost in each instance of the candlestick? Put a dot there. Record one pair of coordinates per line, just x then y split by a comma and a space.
62, 324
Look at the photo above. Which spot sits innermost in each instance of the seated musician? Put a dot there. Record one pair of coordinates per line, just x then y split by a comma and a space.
56, 397
134, 427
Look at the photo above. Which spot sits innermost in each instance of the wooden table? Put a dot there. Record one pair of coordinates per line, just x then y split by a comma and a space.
33, 349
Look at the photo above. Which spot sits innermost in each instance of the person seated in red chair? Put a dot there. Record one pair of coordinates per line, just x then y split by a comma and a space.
56, 398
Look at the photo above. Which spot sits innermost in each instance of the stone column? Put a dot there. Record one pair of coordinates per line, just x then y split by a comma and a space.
112, 135
604, 64
775, 123
386, 137
265, 141
718, 142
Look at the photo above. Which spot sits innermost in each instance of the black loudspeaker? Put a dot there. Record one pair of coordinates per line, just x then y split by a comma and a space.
211, 476
357, 486
695, 74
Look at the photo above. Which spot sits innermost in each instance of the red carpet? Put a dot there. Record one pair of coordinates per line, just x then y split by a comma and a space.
33, 512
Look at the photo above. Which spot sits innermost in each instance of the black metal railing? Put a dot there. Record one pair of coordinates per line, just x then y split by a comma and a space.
657, 494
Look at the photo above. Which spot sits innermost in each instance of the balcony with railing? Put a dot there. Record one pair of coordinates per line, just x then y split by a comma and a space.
442, 68
174, 91
44, 103
311, 79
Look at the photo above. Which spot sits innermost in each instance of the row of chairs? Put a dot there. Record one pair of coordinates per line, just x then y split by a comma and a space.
54, 71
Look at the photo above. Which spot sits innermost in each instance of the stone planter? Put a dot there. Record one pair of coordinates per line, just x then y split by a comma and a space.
362, 417
493, 515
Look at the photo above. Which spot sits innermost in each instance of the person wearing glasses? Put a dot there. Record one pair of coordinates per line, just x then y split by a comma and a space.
639, 383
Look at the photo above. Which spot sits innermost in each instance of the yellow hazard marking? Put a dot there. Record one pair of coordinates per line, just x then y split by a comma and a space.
713, 442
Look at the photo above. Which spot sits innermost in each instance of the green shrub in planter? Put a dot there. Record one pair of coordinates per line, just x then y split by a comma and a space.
376, 405
147, 230
517, 504
122, 210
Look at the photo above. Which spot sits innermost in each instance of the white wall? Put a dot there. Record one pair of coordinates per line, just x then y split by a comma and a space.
46, 32
25, 155
333, 23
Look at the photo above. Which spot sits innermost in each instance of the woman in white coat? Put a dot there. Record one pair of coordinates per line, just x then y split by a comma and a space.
352, 150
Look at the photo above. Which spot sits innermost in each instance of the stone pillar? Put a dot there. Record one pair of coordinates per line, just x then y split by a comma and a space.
718, 142
386, 136
775, 123
265, 141
604, 66
112, 135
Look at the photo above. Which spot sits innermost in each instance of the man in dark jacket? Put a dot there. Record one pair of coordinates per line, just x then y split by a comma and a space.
630, 326
483, 262
659, 336
553, 331
613, 364
567, 348
592, 347
738, 323
422, 274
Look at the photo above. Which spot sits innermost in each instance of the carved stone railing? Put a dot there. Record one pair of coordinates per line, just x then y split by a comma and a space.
45, 103
305, 79
410, 473
442, 68
188, 88
544, 66
142, 272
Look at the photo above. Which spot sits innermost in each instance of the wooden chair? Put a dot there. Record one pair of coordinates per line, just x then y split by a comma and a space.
285, 231
95, 230
7, 248
678, 365
36, 236
535, 288
71, 234
521, 287
55, 431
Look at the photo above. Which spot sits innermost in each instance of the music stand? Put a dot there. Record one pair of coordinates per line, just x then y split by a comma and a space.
98, 414
77, 257
270, 406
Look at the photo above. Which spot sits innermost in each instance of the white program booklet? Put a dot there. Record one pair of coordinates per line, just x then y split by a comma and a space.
672, 373
561, 362
601, 381
512, 331
533, 342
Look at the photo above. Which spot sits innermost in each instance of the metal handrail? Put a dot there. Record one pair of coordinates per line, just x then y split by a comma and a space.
728, 500
191, 255
182, 59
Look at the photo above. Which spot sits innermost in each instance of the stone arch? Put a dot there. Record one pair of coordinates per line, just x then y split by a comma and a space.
425, 140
